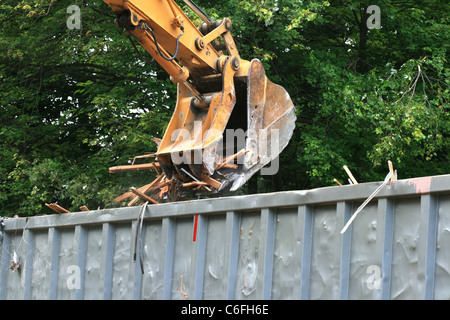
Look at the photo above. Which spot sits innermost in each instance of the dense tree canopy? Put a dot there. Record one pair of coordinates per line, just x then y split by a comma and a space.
74, 102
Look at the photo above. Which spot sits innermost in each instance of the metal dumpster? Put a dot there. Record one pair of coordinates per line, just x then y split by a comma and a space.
284, 245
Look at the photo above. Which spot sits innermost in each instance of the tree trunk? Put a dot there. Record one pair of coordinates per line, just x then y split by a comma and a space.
361, 64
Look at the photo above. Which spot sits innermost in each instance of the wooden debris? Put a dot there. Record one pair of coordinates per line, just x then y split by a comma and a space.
157, 141
194, 183
194, 178
163, 188
144, 166
212, 182
352, 178
231, 158
129, 194
156, 184
142, 195
229, 166
57, 208
337, 181
150, 155
391, 169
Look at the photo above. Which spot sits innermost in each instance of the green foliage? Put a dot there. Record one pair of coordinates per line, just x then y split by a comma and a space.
75, 102
72, 104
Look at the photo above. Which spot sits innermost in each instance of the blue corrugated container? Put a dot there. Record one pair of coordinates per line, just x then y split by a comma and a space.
284, 245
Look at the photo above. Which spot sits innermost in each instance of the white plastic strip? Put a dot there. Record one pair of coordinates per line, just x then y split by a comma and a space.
349, 222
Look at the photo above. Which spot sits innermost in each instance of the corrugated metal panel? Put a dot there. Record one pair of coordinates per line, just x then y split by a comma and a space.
284, 245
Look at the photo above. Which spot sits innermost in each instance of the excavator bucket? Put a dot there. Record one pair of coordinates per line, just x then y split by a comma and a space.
248, 119
230, 120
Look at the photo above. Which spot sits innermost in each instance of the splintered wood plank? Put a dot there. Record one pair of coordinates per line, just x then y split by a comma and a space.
143, 196
84, 208
149, 155
143, 189
352, 178
231, 158
157, 183
143, 166
57, 208
129, 194
194, 183
229, 166
212, 182
157, 141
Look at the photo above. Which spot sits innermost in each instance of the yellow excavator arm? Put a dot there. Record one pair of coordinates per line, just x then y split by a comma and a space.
226, 106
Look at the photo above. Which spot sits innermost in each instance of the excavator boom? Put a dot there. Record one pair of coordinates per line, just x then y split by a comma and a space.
230, 120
